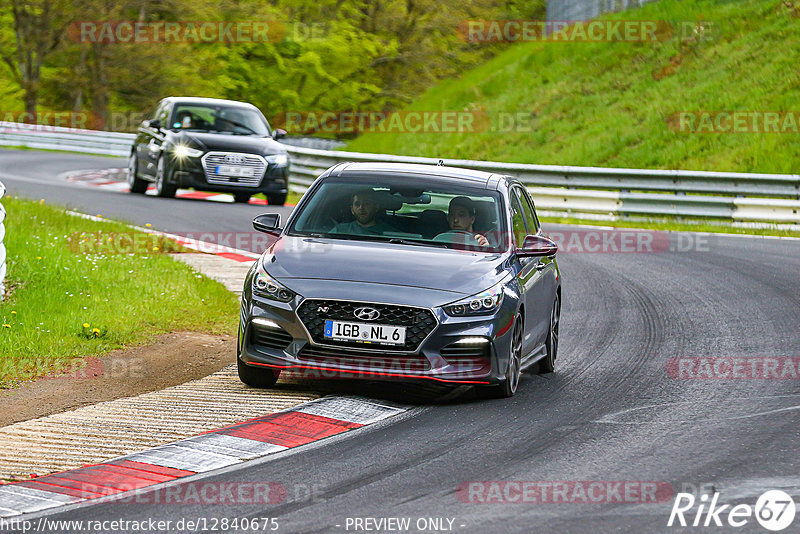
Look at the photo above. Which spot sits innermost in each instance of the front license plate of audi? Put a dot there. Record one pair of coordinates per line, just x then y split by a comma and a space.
364, 332
233, 170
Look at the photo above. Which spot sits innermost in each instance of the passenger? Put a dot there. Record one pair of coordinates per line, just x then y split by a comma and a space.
461, 217
365, 208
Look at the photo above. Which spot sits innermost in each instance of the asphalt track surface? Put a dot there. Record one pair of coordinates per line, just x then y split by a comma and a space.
610, 412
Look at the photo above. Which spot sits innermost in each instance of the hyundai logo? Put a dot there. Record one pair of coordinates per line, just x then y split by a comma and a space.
366, 314
233, 158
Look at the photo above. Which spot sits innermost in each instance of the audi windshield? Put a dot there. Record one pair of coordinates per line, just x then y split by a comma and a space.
236, 120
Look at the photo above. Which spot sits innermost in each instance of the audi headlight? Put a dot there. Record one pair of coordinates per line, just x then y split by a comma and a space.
278, 159
185, 151
483, 303
266, 286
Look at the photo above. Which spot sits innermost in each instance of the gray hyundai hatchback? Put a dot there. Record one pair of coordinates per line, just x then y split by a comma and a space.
404, 272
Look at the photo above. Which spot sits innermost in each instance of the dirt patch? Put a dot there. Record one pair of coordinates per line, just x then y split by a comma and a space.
173, 359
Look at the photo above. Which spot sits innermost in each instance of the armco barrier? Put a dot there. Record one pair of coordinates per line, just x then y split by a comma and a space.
596, 192
2, 245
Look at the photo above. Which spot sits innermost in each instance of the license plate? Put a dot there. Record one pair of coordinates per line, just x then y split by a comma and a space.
365, 333
233, 170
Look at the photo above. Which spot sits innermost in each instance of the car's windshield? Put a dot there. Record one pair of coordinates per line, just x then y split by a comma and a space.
233, 120
436, 214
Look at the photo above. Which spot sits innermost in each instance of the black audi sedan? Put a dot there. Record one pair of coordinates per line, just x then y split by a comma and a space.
404, 272
209, 144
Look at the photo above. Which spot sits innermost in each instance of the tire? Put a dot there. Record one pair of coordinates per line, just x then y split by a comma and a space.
163, 188
278, 199
509, 386
135, 184
257, 377
241, 198
548, 363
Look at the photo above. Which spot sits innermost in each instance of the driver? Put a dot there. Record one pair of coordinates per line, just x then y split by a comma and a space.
183, 119
365, 208
461, 217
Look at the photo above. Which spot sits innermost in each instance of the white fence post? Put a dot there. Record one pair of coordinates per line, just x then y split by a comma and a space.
2, 246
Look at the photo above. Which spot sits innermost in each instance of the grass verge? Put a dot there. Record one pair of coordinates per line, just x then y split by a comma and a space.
614, 104
125, 299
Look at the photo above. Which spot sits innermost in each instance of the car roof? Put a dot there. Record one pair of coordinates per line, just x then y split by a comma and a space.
415, 170
203, 100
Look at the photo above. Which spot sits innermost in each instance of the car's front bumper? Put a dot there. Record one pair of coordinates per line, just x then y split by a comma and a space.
459, 350
190, 174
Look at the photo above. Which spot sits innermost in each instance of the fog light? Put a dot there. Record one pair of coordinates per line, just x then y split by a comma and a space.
471, 341
260, 321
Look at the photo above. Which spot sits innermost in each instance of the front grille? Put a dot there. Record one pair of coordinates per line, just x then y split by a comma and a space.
468, 358
419, 322
363, 361
251, 161
271, 338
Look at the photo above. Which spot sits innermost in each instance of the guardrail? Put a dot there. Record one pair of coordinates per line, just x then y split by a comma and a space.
608, 193
594, 192
2, 246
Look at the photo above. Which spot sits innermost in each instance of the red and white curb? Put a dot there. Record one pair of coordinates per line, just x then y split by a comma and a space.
220, 448
224, 251
109, 180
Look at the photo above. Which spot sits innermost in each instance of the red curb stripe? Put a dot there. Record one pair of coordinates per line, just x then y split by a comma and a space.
99, 489
114, 481
197, 194
262, 201
150, 468
134, 473
290, 429
236, 257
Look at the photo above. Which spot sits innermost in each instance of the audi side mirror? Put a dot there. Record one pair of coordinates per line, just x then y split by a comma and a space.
268, 223
278, 133
537, 246
155, 124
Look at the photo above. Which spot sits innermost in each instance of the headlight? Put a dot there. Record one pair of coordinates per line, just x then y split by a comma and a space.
266, 286
483, 303
278, 159
185, 151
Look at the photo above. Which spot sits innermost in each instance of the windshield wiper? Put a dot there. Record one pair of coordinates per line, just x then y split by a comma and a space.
382, 239
425, 243
239, 125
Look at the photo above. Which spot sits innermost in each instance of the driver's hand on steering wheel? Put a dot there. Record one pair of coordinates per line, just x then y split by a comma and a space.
481, 239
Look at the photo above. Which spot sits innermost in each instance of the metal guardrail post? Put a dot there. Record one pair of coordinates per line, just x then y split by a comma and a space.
2, 246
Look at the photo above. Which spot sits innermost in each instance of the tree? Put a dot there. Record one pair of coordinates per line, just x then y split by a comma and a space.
38, 28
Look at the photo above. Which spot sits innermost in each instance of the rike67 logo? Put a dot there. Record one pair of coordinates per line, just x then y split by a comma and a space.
774, 510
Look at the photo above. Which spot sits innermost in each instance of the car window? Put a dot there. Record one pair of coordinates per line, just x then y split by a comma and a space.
518, 220
218, 118
437, 214
530, 215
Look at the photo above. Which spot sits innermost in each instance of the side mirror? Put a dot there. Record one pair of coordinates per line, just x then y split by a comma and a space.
267, 222
538, 245
278, 133
155, 124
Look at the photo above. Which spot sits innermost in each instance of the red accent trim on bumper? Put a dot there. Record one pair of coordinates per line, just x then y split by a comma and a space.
506, 328
370, 373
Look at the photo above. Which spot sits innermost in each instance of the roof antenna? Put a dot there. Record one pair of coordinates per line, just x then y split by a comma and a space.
441, 163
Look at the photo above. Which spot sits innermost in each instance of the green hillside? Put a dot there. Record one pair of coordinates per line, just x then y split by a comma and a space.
613, 104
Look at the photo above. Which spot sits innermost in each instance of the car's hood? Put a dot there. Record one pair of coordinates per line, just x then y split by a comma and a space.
233, 143
454, 271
